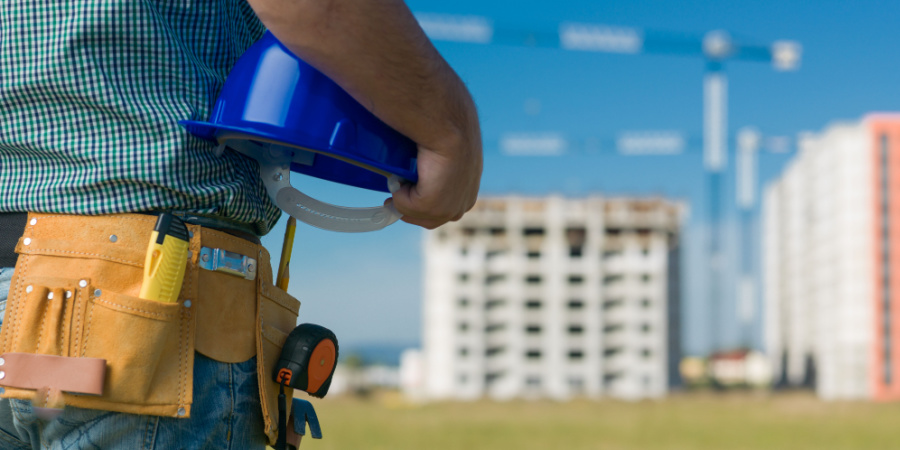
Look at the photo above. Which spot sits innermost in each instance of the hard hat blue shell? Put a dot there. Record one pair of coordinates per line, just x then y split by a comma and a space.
273, 96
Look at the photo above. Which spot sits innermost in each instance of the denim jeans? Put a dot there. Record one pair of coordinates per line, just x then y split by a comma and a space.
226, 414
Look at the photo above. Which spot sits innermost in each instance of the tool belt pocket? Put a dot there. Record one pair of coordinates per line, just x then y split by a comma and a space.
141, 341
74, 310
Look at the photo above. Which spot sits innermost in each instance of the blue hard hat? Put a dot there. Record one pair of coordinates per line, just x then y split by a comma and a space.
272, 97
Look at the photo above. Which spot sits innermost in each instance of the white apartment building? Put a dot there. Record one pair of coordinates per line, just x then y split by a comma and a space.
823, 249
553, 297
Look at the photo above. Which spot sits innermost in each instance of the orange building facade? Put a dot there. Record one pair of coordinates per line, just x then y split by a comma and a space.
885, 357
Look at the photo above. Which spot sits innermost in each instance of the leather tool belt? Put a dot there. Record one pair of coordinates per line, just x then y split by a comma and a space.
73, 308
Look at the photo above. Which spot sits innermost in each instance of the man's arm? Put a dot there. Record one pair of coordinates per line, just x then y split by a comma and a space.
377, 52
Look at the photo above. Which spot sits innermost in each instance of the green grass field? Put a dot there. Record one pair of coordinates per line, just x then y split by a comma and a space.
683, 422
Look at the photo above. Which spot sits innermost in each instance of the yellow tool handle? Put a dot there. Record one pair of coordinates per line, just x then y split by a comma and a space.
284, 274
164, 268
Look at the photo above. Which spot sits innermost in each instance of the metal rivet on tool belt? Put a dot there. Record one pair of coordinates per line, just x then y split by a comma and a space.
28, 289
113, 238
205, 258
27, 241
187, 303
2, 374
50, 296
190, 254
68, 294
181, 411
2, 361
82, 283
278, 177
191, 233
97, 292
33, 222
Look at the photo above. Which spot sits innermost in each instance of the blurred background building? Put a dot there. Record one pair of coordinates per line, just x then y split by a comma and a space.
553, 297
830, 259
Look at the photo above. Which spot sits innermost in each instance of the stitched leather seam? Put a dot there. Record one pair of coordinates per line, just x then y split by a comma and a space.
182, 360
19, 302
41, 332
183, 340
163, 315
218, 235
87, 332
45, 251
77, 323
292, 308
260, 361
275, 338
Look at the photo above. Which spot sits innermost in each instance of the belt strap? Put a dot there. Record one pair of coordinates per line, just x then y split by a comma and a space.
32, 371
11, 227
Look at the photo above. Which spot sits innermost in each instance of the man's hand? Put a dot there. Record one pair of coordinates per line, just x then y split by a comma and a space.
447, 187
377, 52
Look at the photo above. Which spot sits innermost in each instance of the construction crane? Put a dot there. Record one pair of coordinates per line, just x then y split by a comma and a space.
716, 48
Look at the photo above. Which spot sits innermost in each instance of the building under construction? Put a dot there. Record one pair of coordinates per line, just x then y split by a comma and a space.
553, 297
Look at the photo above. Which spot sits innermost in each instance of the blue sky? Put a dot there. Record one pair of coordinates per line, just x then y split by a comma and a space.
367, 287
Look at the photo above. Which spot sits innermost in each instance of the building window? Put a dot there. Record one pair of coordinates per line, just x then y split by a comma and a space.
494, 278
576, 384
576, 329
463, 277
533, 381
533, 304
607, 254
576, 238
610, 378
646, 353
533, 254
576, 279
576, 304
645, 303
462, 378
468, 231
494, 327
645, 278
533, 354
533, 231
576, 355
464, 251
612, 278
463, 326
645, 252
611, 351
610, 304
493, 351
533, 279
494, 303
492, 378
613, 328
499, 232
463, 351
463, 302
645, 328
533, 329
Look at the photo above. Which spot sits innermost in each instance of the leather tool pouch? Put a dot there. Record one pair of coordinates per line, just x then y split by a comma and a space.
74, 294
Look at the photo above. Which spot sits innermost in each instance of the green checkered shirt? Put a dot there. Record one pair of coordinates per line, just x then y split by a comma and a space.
91, 92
